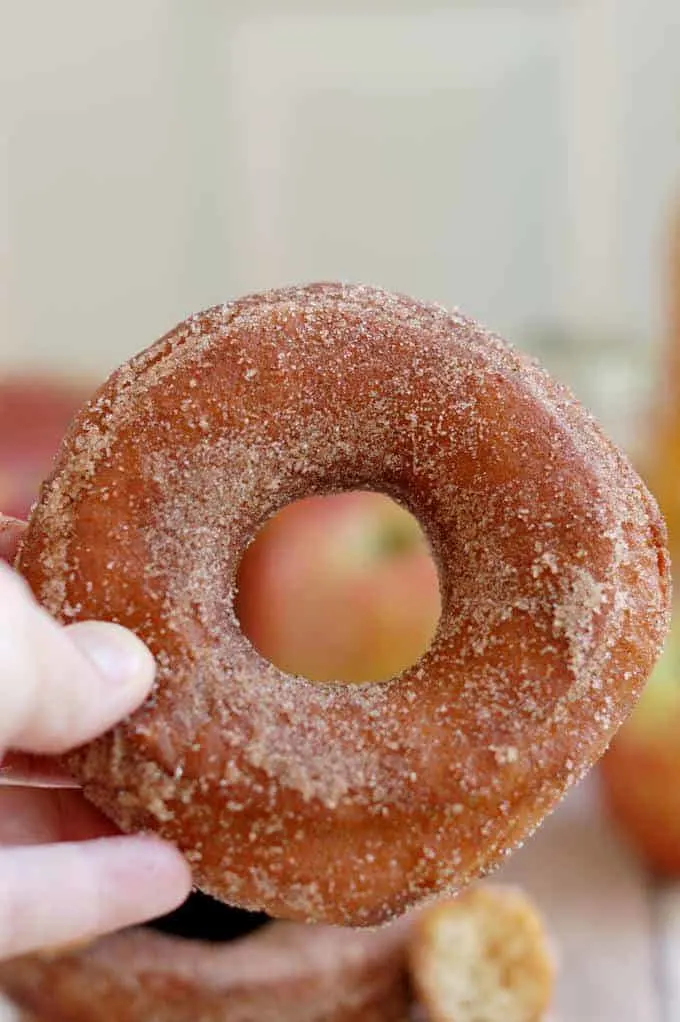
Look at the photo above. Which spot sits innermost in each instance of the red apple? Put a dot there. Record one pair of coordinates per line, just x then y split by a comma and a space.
34, 415
340, 588
641, 770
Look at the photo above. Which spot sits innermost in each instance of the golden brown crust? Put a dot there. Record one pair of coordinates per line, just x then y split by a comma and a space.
347, 804
286, 972
482, 957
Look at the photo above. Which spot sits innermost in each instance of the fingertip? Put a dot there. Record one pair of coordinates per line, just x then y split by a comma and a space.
160, 871
118, 656
160, 853
64, 685
53, 894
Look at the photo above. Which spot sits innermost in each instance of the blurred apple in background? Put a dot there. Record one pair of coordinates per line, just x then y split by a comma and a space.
641, 770
34, 415
340, 588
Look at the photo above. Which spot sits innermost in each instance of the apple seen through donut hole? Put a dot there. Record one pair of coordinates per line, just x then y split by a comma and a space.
340, 588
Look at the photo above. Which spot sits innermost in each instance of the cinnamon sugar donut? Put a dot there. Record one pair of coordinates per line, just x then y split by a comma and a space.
344, 803
286, 972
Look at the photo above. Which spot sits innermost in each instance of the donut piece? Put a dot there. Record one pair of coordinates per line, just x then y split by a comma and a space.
482, 957
345, 803
286, 972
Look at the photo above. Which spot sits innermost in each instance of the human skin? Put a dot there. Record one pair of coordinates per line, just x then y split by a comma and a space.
66, 874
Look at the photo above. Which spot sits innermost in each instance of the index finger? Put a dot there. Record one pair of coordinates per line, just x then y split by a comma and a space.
18, 767
62, 686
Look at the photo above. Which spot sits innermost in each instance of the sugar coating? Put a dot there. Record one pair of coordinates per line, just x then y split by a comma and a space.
349, 803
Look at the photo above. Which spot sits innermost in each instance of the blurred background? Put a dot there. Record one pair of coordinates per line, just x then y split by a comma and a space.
520, 160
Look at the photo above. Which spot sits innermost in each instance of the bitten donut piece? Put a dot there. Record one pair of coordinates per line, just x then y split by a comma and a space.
286, 972
482, 957
345, 803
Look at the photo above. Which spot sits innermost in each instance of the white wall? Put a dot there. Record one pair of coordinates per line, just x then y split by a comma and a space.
517, 159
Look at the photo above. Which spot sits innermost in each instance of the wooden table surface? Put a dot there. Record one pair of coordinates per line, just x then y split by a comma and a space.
616, 931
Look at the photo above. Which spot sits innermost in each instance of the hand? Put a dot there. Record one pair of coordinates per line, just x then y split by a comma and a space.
66, 874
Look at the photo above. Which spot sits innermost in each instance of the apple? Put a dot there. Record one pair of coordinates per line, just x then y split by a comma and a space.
34, 415
641, 771
340, 588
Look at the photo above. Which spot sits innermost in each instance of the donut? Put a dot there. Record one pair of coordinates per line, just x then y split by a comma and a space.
339, 803
285, 972
482, 957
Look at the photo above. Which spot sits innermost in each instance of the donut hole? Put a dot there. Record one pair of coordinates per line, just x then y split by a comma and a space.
340, 588
204, 918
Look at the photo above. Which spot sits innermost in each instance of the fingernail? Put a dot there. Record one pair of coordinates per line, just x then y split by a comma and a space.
117, 654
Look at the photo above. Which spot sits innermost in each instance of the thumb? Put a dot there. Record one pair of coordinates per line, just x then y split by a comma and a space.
60, 687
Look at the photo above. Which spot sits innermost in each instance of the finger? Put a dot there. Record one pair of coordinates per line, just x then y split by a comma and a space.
10, 1013
33, 771
55, 894
32, 816
60, 687
11, 531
